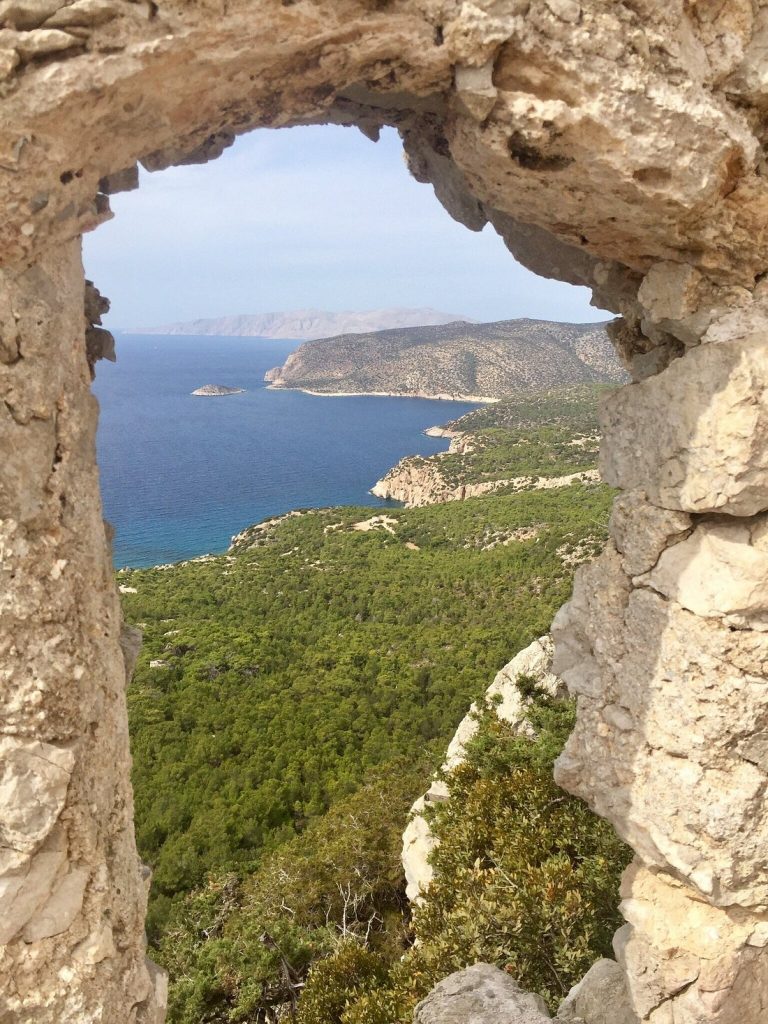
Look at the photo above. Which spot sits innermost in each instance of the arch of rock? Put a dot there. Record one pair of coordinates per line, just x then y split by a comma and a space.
612, 143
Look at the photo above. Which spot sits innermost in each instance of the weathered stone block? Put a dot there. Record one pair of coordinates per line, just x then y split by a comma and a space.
672, 731
695, 437
601, 997
480, 995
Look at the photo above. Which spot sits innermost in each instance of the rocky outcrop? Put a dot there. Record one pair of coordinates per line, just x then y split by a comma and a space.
72, 890
217, 390
418, 481
601, 997
619, 146
481, 994
535, 661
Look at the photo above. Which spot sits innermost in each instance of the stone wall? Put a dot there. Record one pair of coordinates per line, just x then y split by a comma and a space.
613, 143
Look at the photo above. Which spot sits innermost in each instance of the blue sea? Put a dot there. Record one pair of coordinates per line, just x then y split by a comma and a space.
181, 474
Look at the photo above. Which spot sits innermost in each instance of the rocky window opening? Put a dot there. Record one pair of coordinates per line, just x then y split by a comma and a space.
619, 148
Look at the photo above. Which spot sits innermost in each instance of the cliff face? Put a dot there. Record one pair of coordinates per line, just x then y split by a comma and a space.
534, 661
490, 455
616, 146
470, 361
417, 481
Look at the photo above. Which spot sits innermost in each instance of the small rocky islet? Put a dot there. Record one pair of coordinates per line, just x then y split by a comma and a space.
214, 390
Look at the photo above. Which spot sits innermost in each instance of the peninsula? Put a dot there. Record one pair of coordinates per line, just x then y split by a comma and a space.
470, 362
214, 390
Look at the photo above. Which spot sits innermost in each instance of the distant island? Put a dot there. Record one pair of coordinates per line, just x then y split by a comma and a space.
213, 390
307, 324
470, 362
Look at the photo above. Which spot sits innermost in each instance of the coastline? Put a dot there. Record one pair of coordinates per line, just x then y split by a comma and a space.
480, 399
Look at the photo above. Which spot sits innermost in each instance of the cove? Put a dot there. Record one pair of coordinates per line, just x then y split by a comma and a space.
180, 474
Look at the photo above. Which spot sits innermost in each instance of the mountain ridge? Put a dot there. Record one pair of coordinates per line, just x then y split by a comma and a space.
473, 362
307, 324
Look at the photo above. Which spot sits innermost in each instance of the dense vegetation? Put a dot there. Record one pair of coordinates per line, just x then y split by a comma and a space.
272, 678
495, 360
551, 434
241, 944
293, 697
575, 408
525, 877
520, 439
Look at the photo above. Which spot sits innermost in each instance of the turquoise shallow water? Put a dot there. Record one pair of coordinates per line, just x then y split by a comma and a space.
180, 474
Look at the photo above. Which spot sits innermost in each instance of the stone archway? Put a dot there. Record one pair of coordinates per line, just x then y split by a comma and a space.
613, 144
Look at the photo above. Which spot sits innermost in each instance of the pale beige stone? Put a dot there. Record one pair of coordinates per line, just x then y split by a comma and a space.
480, 994
717, 572
41, 42
60, 909
601, 997
680, 770
641, 531
476, 91
84, 12
34, 778
9, 60
67, 804
700, 963
695, 437
23, 891
670, 291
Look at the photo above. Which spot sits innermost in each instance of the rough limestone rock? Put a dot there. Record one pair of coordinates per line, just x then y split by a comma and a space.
705, 962
601, 997
418, 842
481, 994
712, 454
641, 531
619, 146
71, 892
621, 651
720, 571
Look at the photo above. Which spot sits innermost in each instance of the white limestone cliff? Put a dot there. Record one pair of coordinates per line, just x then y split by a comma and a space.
510, 705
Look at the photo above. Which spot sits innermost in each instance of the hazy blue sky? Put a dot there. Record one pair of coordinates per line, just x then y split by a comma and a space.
305, 217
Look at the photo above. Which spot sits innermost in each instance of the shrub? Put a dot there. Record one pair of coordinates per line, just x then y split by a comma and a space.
526, 877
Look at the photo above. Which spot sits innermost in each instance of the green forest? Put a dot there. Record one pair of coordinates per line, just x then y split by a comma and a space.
293, 697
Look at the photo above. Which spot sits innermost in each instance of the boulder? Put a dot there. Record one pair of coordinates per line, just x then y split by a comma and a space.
601, 997
481, 994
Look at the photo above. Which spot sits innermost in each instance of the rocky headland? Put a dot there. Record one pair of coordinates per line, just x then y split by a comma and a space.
459, 361
538, 443
416, 481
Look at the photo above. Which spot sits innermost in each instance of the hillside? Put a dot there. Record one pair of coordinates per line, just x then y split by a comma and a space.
534, 442
458, 360
275, 678
306, 324
292, 698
